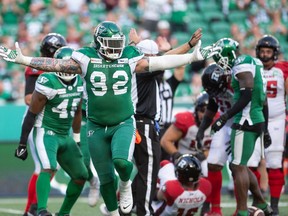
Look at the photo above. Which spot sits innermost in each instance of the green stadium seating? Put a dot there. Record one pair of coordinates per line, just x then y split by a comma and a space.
221, 29
213, 16
194, 17
193, 26
210, 5
181, 37
237, 16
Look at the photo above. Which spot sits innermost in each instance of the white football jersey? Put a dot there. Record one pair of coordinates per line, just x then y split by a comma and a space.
276, 77
224, 101
186, 123
180, 201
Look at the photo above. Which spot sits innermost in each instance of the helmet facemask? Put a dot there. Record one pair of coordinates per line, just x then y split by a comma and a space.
111, 47
109, 40
226, 57
67, 77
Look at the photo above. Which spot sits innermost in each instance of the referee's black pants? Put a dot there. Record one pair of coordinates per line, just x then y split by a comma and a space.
147, 158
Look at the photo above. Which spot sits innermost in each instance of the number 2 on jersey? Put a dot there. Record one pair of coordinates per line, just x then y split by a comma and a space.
101, 87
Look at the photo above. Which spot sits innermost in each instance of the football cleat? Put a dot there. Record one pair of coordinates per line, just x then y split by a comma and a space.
104, 210
44, 212
126, 199
94, 192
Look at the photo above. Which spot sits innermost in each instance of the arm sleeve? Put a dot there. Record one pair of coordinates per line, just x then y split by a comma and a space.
266, 114
30, 84
245, 98
27, 127
168, 61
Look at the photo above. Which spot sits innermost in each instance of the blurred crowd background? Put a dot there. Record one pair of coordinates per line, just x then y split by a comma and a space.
27, 21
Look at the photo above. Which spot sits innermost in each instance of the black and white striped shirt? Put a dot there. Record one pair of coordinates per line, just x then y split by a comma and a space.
167, 91
145, 95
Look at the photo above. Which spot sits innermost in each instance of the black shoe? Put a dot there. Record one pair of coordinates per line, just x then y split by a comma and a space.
268, 211
44, 213
25, 214
33, 209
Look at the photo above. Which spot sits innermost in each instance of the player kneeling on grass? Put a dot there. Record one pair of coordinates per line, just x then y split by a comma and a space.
182, 188
55, 107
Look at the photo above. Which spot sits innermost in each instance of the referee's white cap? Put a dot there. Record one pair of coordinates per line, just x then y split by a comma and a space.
148, 47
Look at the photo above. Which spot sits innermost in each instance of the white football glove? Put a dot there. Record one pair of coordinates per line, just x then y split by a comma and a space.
15, 56
200, 54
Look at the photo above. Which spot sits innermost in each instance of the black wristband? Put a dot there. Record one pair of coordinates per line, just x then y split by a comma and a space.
190, 45
27, 127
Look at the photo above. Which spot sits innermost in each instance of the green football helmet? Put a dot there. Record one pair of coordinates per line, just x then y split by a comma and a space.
64, 53
227, 55
109, 40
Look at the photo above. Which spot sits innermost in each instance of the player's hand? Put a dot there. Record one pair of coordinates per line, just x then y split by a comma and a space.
195, 37
8, 54
200, 54
209, 51
21, 152
14, 55
267, 139
219, 123
175, 156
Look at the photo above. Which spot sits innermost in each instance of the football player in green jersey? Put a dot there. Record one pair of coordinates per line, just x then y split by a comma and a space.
54, 108
106, 68
250, 114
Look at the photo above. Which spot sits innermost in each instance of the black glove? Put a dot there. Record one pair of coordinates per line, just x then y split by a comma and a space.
175, 156
199, 139
267, 139
21, 152
219, 123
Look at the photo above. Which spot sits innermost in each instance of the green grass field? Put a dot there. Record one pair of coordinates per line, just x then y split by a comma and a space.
14, 179
15, 206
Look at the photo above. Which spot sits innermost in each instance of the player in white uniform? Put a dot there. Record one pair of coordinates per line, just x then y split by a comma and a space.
181, 187
216, 83
180, 137
267, 50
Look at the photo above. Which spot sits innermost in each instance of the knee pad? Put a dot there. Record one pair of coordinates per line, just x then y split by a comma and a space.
124, 168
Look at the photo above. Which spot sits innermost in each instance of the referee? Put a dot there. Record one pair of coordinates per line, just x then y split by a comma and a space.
167, 92
147, 153
147, 101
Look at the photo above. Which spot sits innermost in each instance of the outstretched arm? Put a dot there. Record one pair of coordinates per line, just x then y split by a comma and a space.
55, 65
155, 63
40, 63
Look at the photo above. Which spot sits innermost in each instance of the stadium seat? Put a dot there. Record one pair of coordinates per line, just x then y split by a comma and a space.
213, 16
206, 6
237, 16
208, 39
221, 29
194, 17
193, 26
181, 37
